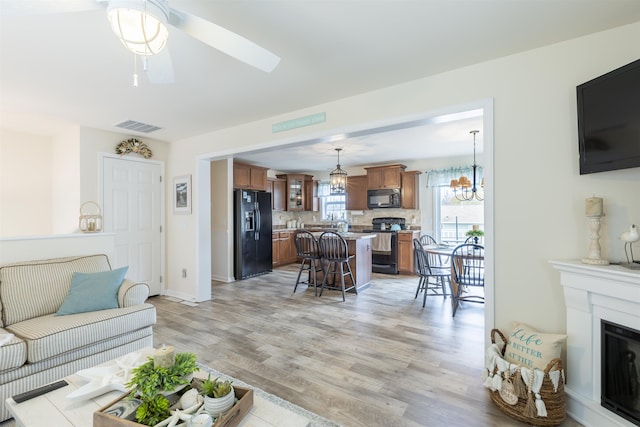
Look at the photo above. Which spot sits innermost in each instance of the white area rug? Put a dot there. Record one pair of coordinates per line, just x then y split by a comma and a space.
315, 420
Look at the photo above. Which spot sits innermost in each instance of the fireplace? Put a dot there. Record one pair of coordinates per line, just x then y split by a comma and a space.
620, 391
595, 294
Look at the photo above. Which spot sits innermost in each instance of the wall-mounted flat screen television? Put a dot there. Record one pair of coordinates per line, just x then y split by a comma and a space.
609, 120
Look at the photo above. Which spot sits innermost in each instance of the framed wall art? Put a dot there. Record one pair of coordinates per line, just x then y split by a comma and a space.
182, 194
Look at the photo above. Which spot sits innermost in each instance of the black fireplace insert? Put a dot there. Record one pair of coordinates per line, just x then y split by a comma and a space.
620, 378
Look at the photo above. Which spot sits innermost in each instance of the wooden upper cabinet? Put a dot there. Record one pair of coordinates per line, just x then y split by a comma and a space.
409, 190
389, 176
278, 190
249, 177
311, 201
296, 192
357, 192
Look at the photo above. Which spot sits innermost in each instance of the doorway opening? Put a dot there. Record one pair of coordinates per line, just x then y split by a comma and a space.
204, 186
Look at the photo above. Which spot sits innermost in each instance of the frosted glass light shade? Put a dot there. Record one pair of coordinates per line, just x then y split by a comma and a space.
140, 25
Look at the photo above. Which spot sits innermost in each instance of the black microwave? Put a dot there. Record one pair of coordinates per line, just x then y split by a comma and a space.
387, 198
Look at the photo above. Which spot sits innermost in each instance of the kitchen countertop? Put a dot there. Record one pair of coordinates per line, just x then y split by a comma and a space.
317, 231
350, 235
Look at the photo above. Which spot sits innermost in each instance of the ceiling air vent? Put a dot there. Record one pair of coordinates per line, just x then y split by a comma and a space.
137, 126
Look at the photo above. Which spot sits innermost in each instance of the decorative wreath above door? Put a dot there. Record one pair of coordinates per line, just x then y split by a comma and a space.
134, 145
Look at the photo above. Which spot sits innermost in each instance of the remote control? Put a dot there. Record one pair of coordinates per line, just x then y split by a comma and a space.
18, 398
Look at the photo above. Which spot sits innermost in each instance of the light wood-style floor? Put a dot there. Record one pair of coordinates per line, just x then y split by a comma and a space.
378, 359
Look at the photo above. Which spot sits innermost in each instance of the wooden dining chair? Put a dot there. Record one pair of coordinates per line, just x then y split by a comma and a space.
432, 277
427, 240
308, 250
467, 264
336, 252
435, 260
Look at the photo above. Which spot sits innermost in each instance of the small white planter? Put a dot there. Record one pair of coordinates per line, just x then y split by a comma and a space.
217, 406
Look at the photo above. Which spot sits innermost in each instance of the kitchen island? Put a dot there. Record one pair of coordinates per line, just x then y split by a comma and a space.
359, 245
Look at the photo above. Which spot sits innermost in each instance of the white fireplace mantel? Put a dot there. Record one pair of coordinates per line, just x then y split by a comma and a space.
593, 293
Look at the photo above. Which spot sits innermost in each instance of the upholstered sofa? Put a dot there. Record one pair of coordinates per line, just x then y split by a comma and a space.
46, 334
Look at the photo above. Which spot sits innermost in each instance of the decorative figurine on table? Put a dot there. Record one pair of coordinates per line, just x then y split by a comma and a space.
629, 238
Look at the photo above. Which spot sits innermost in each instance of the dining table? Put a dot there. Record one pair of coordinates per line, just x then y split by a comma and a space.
447, 251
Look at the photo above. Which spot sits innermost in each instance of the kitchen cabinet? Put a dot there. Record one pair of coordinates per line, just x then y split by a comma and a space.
275, 248
405, 251
249, 177
283, 247
296, 190
381, 177
278, 189
357, 192
409, 189
287, 247
311, 201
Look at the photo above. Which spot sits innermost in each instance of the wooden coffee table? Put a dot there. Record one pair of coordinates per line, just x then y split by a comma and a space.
53, 409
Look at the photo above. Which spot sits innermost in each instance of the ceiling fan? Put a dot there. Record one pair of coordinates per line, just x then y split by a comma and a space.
141, 25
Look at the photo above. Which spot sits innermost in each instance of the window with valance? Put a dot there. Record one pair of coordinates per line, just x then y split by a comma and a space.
443, 177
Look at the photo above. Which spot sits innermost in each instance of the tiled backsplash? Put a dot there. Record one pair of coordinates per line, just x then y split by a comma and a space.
412, 217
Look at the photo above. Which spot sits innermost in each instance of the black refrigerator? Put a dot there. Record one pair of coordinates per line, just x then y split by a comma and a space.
252, 229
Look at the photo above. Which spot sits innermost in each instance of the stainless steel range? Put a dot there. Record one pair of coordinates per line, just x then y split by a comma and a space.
385, 247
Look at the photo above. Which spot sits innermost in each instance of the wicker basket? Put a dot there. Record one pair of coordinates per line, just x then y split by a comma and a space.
554, 400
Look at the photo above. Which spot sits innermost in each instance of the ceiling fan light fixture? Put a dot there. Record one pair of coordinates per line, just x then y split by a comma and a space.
141, 25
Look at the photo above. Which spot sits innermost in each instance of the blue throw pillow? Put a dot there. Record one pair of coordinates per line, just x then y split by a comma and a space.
93, 291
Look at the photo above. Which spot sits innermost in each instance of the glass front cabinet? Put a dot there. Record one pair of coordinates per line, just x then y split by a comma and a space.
296, 193
296, 190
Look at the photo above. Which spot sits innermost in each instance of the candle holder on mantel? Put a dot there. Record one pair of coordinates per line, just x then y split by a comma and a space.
594, 211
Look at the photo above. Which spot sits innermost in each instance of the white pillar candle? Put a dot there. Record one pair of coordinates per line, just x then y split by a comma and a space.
164, 357
593, 206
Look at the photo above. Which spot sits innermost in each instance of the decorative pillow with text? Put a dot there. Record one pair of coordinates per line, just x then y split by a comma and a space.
532, 349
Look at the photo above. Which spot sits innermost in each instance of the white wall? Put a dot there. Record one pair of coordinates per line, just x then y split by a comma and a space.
221, 220
19, 249
45, 180
65, 181
25, 184
538, 192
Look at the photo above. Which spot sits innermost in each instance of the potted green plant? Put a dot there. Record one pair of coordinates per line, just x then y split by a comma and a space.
476, 233
149, 383
219, 396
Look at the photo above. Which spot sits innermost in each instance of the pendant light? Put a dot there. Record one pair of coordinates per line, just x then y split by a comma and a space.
466, 190
338, 178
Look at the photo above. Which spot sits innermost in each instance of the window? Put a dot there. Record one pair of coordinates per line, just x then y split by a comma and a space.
456, 217
332, 207
452, 217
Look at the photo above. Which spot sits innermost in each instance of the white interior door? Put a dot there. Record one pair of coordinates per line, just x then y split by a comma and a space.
132, 199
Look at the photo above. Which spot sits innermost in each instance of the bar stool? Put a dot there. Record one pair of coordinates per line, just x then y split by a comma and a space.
336, 252
308, 248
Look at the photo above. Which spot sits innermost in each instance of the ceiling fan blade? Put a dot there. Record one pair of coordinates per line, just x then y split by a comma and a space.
224, 40
40, 7
159, 67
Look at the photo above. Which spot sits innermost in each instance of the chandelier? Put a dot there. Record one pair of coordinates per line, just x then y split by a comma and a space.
141, 25
466, 190
338, 178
